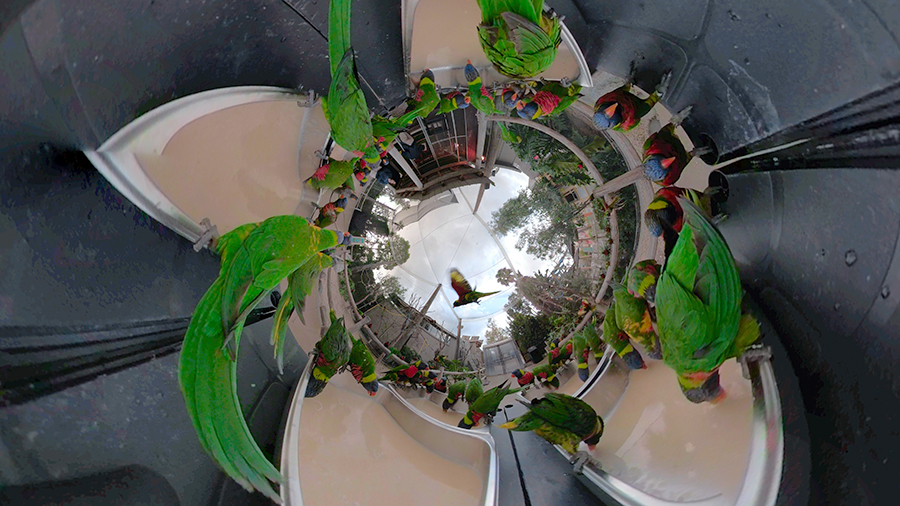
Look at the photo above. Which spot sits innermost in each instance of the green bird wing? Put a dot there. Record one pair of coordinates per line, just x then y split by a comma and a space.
559, 436
230, 243
580, 345
338, 32
629, 309
699, 304
362, 358
592, 338
303, 280
345, 107
458, 388
474, 391
338, 173
567, 412
334, 347
279, 328
524, 423
489, 401
529, 9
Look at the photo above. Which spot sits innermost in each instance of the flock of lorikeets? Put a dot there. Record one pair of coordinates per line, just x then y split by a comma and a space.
697, 294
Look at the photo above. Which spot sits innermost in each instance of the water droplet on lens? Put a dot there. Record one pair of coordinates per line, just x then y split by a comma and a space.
885, 292
850, 257
837, 306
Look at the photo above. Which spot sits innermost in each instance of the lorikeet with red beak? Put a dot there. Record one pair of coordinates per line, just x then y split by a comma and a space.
550, 98
664, 215
362, 366
523, 377
665, 157
441, 385
332, 354
546, 374
425, 100
614, 336
560, 419
453, 101
332, 174
464, 290
454, 393
621, 110
486, 405
699, 308
474, 390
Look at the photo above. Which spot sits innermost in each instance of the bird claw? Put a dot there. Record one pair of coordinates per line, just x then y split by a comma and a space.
579, 460
208, 237
320, 154
755, 353
565, 82
311, 100
664, 83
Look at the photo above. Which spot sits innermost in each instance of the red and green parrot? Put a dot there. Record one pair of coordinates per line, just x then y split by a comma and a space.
455, 392
562, 420
641, 280
582, 352
546, 374
425, 100
333, 175
332, 355
621, 110
453, 101
345, 106
518, 38
482, 99
362, 366
664, 215
464, 290
593, 341
441, 385
485, 406
665, 157
628, 318
329, 212
550, 98
474, 390
255, 258
559, 355
523, 377
699, 308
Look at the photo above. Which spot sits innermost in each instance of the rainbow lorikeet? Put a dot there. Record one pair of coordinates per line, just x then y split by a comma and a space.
345, 106
482, 99
582, 352
550, 98
665, 157
621, 110
332, 355
518, 37
560, 419
593, 341
425, 100
255, 258
546, 374
632, 316
329, 212
559, 355
405, 372
474, 390
453, 101
523, 377
300, 285
362, 366
698, 303
664, 215
641, 280
464, 290
332, 175
441, 385
485, 406
454, 393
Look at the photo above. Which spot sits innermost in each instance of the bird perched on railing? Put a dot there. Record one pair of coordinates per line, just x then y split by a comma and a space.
422, 103
474, 390
621, 110
333, 175
454, 393
699, 302
332, 355
518, 37
561, 354
582, 352
453, 101
549, 98
546, 375
464, 290
664, 216
362, 366
485, 406
523, 377
562, 420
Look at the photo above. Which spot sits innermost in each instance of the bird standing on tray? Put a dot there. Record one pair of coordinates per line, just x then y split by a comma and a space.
562, 420
582, 352
333, 175
332, 354
546, 374
474, 390
482, 99
550, 98
454, 393
329, 212
362, 366
518, 37
453, 101
559, 355
464, 290
622, 111
523, 377
485, 406
698, 306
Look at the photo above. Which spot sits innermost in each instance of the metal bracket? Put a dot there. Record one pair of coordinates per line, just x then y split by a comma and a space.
755, 353
208, 237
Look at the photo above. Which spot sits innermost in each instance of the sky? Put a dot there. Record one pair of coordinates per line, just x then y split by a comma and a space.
452, 236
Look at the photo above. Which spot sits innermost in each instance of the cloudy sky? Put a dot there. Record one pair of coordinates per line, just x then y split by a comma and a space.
452, 236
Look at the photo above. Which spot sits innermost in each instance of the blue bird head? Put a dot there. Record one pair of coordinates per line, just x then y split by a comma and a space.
462, 101
653, 224
634, 360
656, 167
526, 111
428, 74
607, 115
471, 71
583, 373
510, 98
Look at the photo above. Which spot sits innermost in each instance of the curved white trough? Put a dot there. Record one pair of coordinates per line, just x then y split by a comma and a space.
344, 447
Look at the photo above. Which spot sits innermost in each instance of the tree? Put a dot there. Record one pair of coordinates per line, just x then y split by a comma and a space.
530, 330
388, 253
555, 294
495, 333
545, 220
386, 286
